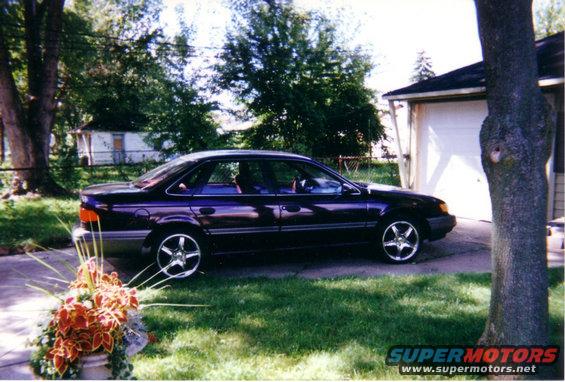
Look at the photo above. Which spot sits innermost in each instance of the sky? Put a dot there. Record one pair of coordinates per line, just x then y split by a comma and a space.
391, 31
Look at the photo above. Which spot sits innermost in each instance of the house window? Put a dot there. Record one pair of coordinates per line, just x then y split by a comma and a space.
118, 148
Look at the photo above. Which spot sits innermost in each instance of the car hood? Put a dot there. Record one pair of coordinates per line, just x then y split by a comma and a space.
380, 189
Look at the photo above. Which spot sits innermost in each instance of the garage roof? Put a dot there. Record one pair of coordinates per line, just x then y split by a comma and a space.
471, 79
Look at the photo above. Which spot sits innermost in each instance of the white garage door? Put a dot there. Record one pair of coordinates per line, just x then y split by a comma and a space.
449, 157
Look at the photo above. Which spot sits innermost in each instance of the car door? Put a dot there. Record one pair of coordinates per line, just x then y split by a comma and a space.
316, 206
236, 205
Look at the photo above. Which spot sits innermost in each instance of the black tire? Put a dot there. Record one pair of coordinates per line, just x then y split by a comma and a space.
179, 253
399, 239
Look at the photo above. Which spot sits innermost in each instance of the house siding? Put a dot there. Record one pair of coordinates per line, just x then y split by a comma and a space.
134, 147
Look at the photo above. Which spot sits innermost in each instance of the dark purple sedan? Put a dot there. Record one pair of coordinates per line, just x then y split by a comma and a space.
237, 201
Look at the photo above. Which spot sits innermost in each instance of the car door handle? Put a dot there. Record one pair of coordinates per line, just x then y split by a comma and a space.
291, 208
207, 210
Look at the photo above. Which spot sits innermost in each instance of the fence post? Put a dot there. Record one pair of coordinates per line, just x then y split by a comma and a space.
339, 160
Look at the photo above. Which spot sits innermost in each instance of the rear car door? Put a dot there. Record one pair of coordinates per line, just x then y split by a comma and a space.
317, 207
236, 205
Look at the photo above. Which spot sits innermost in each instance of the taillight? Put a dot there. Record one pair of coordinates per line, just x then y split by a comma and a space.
443, 208
88, 216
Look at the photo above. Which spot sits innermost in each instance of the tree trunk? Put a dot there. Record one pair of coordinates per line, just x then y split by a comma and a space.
515, 142
2, 146
28, 126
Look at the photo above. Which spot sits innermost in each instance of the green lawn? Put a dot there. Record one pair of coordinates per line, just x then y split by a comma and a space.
314, 329
28, 221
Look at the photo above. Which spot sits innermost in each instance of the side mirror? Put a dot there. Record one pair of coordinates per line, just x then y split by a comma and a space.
347, 189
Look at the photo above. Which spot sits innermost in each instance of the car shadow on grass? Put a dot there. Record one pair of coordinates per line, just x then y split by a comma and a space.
295, 328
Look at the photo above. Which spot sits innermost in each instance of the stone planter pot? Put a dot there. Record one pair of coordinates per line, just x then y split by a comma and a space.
94, 367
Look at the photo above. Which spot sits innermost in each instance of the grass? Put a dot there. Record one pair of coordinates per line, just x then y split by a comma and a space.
314, 329
377, 172
26, 222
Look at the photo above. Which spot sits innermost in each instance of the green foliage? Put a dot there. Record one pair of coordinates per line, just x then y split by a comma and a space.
315, 329
180, 121
117, 68
422, 68
119, 363
549, 17
138, 81
306, 93
35, 221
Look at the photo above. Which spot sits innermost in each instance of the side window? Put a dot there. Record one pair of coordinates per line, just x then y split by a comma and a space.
235, 177
303, 178
189, 183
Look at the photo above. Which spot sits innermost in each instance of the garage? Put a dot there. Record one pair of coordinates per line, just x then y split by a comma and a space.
443, 157
449, 162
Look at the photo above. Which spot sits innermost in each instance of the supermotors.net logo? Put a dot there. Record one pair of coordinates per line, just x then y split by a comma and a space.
457, 360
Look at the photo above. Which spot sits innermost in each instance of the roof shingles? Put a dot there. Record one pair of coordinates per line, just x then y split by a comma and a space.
550, 66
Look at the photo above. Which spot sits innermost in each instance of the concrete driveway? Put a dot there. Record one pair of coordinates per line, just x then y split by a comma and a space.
466, 249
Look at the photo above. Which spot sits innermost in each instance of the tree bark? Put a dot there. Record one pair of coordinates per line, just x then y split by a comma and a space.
29, 120
515, 143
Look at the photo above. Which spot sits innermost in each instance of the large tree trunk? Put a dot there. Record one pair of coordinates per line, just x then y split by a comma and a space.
28, 125
516, 144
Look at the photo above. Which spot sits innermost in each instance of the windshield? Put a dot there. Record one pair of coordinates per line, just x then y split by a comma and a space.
160, 173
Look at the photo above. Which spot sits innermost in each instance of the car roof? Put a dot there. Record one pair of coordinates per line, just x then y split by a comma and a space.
202, 155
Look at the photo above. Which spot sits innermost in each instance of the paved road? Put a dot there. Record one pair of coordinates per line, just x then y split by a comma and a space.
466, 249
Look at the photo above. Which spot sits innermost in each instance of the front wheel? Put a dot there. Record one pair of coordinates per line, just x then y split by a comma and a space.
179, 254
399, 240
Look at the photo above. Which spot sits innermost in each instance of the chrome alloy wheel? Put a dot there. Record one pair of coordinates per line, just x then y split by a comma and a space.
400, 241
179, 255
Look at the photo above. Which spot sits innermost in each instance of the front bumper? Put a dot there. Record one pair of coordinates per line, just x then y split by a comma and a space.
440, 226
110, 243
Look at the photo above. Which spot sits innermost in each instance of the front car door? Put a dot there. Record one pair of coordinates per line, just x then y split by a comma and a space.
236, 206
316, 206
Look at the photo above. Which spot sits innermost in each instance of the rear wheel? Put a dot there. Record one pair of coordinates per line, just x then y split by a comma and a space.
399, 240
179, 254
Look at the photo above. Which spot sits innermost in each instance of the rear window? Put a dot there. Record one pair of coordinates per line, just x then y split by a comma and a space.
158, 174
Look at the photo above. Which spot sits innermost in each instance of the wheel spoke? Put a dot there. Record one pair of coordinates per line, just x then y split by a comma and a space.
395, 230
167, 250
390, 243
408, 232
190, 255
181, 242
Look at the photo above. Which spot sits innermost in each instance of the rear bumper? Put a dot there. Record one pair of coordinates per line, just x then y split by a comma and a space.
112, 243
440, 226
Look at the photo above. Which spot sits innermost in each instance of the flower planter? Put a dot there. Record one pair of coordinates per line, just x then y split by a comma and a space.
94, 367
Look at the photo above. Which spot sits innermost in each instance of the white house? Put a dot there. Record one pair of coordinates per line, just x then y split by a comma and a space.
445, 114
103, 146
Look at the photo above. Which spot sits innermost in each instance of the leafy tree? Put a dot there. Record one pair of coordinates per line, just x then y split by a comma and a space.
179, 105
115, 65
549, 17
138, 79
306, 93
515, 143
29, 62
422, 68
